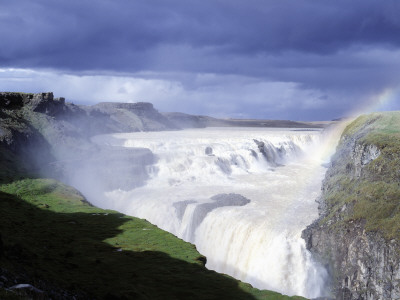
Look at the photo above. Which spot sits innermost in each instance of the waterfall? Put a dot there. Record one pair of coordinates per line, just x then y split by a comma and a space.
241, 195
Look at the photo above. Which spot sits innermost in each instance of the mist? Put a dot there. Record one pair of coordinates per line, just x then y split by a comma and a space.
198, 184
241, 191
297, 61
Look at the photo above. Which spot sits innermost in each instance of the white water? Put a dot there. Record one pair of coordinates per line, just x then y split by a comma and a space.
258, 242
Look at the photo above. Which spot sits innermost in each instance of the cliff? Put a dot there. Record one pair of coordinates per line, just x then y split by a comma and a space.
52, 137
128, 117
23, 113
357, 235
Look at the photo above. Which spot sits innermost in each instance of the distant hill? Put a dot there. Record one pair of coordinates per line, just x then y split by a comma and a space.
194, 121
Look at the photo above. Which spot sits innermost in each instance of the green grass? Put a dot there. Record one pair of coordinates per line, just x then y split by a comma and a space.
375, 196
51, 233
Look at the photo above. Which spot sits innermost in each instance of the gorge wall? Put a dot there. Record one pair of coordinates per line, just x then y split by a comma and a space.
358, 230
54, 245
52, 137
357, 235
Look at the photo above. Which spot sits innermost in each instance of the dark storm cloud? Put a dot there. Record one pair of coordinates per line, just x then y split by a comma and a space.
118, 34
337, 53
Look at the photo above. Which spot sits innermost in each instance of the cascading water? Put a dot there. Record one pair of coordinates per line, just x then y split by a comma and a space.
242, 196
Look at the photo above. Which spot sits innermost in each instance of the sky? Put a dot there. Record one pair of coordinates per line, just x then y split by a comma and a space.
283, 59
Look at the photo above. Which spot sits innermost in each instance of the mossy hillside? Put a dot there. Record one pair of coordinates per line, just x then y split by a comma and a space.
374, 197
51, 233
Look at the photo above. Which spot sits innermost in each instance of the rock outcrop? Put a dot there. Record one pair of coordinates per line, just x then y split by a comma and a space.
201, 210
42, 102
54, 138
356, 236
84, 120
128, 117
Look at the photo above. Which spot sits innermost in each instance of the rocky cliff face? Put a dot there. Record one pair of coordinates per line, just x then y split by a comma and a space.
84, 120
52, 137
23, 115
128, 117
356, 236
42, 102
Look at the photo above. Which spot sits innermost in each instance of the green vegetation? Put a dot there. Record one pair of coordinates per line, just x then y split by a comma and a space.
374, 196
53, 237
8, 295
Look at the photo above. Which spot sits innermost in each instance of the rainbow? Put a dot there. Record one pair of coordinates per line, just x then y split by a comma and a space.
387, 100
384, 101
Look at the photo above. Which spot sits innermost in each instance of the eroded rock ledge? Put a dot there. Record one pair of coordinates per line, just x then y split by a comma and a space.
356, 235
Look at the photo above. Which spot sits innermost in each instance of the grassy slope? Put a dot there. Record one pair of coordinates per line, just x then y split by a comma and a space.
50, 233
375, 196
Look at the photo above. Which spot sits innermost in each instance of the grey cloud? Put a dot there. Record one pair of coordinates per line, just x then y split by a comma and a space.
344, 51
104, 34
